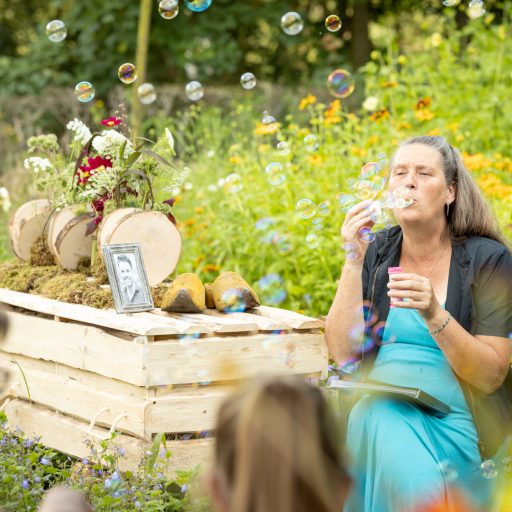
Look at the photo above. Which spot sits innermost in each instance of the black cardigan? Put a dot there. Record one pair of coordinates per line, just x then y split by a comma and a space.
479, 298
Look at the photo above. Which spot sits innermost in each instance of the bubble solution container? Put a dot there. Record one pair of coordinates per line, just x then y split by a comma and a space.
391, 272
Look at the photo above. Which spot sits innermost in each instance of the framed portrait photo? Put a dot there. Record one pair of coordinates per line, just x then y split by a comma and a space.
127, 277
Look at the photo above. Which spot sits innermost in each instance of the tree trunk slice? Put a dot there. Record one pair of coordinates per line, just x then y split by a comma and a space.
27, 225
110, 221
57, 221
159, 240
71, 243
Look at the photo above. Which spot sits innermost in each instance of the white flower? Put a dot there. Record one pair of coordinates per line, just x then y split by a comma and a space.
187, 186
170, 139
371, 103
210, 153
5, 200
37, 164
109, 143
81, 133
221, 182
212, 188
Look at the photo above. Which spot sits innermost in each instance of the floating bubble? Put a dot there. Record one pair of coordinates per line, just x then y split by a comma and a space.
450, 3
368, 312
56, 31
377, 212
194, 90
366, 235
364, 190
369, 169
401, 197
234, 300
292, 23
198, 5
127, 73
84, 91
311, 142
272, 289
378, 332
188, 344
366, 345
489, 470
382, 157
273, 344
248, 81
333, 23
233, 183
448, 470
324, 208
379, 182
275, 175
333, 379
306, 208
340, 83
264, 223
349, 366
476, 9
204, 378
346, 201
357, 332
312, 241
267, 118
146, 93
318, 224
283, 148
168, 9
351, 250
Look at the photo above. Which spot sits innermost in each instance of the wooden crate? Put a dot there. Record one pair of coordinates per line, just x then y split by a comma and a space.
89, 370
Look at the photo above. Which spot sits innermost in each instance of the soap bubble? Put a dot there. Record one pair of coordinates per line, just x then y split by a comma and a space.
84, 91
346, 201
146, 93
402, 197
272, 289
351, 250
450, 3
194, 90
489, 470
377, 212
168, 9
267, 118
204, 378
248, 81
188, 344
340, 83
127, 73
264, 223
311, 142
476, 9
369, 169
318, 224
324, 208
349, 366
283, 148
233, 183
333, 23
292, 23
306, 208
234, 300
364, 190
56, 31
274, 172
198, 5
312, 240
366, 235
449, 472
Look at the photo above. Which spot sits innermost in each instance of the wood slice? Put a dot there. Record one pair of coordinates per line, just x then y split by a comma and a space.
159, 239
110, 222
27, 225
72, 243
56, 223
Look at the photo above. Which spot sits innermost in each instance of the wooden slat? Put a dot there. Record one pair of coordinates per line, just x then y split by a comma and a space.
67, 435
293, 319
263, 323
234, 358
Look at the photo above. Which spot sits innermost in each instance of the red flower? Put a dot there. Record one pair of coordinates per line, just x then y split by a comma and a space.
86, 171
111, 121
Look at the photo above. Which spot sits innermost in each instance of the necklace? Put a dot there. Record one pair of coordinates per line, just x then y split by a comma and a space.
414, 264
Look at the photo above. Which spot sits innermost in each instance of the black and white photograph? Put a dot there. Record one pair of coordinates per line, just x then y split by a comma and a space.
127, 277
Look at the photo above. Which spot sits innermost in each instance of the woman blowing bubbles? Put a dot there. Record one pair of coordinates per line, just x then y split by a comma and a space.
450, 316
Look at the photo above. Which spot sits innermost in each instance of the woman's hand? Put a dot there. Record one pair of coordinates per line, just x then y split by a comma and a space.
357, 217
416, 292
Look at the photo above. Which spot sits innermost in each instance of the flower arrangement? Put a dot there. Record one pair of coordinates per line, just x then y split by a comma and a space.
105, 170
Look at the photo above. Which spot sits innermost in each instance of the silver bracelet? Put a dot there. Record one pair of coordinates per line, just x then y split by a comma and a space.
445, 323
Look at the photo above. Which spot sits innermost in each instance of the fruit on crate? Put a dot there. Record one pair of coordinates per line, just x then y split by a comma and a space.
231, 292
186, 294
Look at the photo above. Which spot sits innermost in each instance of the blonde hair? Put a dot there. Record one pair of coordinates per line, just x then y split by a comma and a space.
469, 214
64, 499
275, 450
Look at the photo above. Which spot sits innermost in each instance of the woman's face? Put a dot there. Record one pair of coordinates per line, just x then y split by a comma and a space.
419, 168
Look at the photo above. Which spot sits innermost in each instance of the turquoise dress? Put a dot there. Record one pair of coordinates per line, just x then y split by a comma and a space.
401, 454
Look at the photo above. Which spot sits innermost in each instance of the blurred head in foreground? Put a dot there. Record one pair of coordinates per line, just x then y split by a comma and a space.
276, 451
63, 499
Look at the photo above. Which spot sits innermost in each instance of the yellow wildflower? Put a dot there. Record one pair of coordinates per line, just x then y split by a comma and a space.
266, 129
423, 103
332, 120
436, 39
264, 148
492, 186
435, 132
390, 84
316, 159
308, 100
211, 268
477, 162
235, 159
199, 209
373, 139
424, 115
378, 115
358, 151
402, 59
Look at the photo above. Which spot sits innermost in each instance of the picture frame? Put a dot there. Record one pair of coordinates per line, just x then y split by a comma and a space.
127, 278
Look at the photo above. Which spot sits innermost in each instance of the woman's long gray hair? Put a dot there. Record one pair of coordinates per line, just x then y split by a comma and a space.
469, 215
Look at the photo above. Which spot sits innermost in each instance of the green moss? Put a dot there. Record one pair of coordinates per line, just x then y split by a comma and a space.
40, 254
99, 271
22, 277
